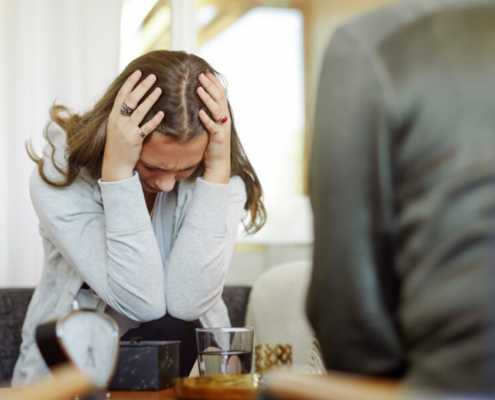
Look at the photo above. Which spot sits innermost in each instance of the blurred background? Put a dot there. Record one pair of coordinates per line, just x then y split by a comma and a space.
269, 52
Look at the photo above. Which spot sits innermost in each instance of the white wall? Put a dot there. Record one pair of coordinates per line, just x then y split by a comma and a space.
49, 50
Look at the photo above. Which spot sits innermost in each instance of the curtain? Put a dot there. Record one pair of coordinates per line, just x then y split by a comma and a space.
50, 50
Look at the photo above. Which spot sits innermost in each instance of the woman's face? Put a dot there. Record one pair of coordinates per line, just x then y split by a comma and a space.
165, 161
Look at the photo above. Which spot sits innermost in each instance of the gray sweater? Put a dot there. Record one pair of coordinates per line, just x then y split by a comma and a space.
101, 233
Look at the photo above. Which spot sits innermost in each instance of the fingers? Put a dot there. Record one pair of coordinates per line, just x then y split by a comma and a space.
213, 95
216, 82
150, 126
139, 114
213, 90
209, 124
137, 94
209, 102
132, 97
126, 88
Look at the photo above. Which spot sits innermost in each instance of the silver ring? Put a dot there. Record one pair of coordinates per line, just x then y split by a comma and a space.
126, 110
142, 133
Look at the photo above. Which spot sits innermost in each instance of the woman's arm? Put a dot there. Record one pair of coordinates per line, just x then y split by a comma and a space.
197, 265
199, 260
111, 244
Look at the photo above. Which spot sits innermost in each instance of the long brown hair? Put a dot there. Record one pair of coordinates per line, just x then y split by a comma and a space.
177, 75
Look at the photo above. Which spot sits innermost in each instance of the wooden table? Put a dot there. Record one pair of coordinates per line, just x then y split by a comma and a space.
331, 386
167, 394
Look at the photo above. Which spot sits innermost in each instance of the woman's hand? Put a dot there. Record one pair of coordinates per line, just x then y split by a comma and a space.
124, 138
217, 155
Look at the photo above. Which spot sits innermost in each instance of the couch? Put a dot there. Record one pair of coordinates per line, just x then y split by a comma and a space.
14, 304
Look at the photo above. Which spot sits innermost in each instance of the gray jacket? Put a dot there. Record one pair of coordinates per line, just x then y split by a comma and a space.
402, 184
101, 233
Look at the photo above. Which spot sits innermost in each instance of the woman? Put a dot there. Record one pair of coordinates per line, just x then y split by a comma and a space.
139, 202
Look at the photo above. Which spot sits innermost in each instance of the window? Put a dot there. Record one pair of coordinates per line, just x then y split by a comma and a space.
145, 27
261, 55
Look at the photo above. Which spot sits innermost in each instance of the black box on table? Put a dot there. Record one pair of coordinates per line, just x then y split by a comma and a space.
146, 365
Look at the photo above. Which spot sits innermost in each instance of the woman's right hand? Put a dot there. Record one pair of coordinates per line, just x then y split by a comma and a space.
123, 140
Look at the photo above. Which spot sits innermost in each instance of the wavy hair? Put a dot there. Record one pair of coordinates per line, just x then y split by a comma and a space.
177, 75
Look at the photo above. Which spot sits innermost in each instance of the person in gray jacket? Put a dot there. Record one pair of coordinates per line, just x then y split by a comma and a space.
402, 184
139, 202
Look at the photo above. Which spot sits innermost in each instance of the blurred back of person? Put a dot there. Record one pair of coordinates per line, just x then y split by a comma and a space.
402, 184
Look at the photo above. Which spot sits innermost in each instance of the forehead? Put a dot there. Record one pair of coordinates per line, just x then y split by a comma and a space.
162, 151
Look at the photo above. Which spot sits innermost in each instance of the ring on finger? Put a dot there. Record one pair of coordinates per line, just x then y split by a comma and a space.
126, 110
222, 120
142, 133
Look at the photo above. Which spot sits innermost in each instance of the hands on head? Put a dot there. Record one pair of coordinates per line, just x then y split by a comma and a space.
125, 136
195, 134
217, 155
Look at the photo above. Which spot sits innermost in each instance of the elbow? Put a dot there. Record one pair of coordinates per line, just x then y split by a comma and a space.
188, 310
151, 312
150, 308
140, 308
185, 314
143, 311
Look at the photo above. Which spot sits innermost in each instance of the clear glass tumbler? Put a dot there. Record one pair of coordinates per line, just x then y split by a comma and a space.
225, 350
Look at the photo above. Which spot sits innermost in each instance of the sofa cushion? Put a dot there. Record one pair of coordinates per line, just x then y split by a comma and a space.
236, 299
13, 307
14, 304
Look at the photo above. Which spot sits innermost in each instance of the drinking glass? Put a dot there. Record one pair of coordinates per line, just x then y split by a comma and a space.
225, 350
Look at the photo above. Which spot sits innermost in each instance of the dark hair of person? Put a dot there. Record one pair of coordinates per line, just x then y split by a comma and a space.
177, 75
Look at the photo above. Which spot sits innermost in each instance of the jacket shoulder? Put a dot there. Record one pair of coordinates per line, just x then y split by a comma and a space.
373, 27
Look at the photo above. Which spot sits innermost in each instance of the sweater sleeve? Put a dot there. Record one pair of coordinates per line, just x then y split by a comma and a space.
199, 260
353, 285
112, 246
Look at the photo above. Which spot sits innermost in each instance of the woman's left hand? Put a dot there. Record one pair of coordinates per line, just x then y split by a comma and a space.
217, 155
